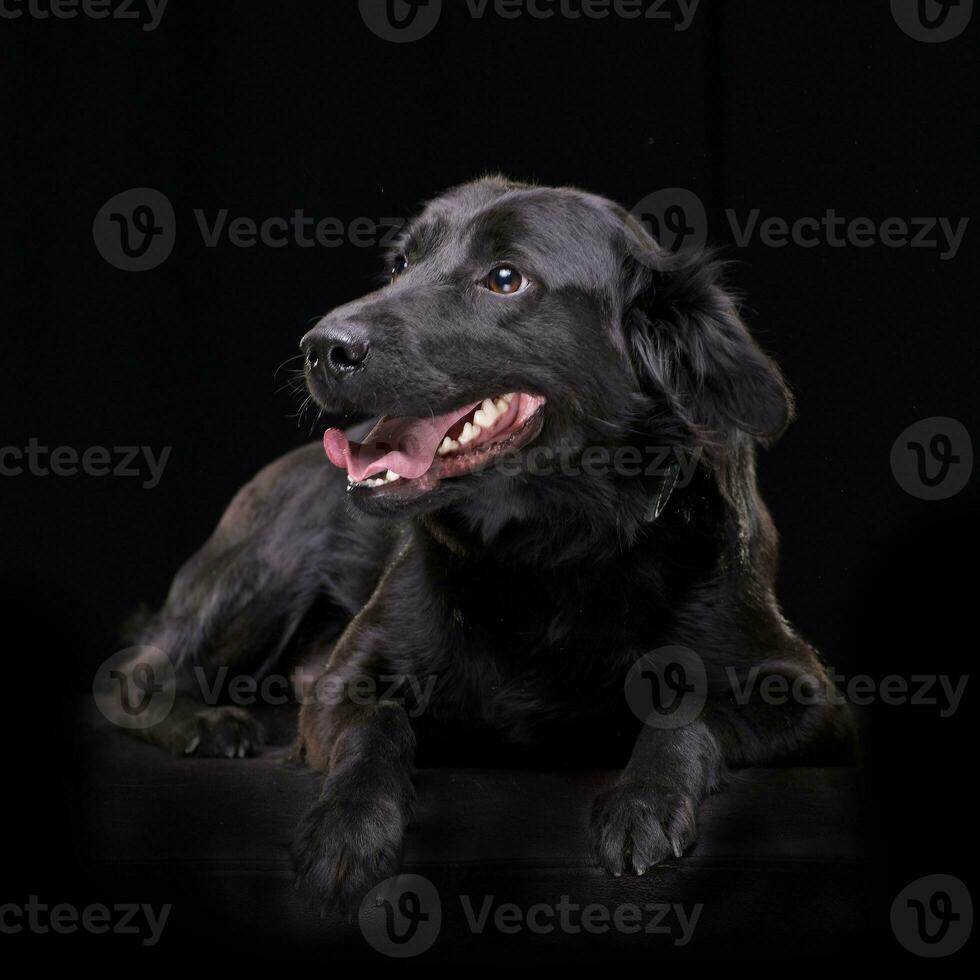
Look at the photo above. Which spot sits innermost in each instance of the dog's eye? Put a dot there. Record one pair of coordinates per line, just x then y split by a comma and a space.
398, 266
506, 280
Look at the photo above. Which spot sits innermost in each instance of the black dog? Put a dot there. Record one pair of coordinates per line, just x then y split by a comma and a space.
566, 460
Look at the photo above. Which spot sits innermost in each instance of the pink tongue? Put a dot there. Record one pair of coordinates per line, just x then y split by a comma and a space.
405, 446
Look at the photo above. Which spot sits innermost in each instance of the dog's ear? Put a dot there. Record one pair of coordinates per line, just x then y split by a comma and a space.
686, 339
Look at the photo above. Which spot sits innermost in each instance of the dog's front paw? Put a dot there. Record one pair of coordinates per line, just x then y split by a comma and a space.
345, 845
224, 731
636, 825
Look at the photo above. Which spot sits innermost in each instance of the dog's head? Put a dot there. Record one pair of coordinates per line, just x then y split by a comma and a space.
522, 328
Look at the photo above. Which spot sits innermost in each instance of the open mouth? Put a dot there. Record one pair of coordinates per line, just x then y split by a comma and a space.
418, 453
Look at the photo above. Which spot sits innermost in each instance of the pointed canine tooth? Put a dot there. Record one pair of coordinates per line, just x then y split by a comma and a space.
391, 477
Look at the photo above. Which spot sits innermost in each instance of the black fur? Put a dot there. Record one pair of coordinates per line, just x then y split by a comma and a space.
527, 597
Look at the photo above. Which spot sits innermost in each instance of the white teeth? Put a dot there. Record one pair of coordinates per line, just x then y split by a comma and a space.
379, 482
485, 417
486, 414
469, 433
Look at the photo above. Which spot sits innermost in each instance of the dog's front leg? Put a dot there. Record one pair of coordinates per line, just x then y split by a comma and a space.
651, 812
351, 838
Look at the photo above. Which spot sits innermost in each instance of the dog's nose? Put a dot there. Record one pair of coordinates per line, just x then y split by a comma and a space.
339, 347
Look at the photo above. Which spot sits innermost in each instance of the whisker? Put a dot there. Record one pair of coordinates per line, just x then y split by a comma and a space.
298, 414
313, 424
284, 363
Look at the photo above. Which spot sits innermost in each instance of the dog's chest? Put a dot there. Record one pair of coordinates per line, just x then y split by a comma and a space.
543, 645
528, 612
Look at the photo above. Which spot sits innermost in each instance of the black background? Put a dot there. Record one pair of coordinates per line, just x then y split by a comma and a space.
265, 108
